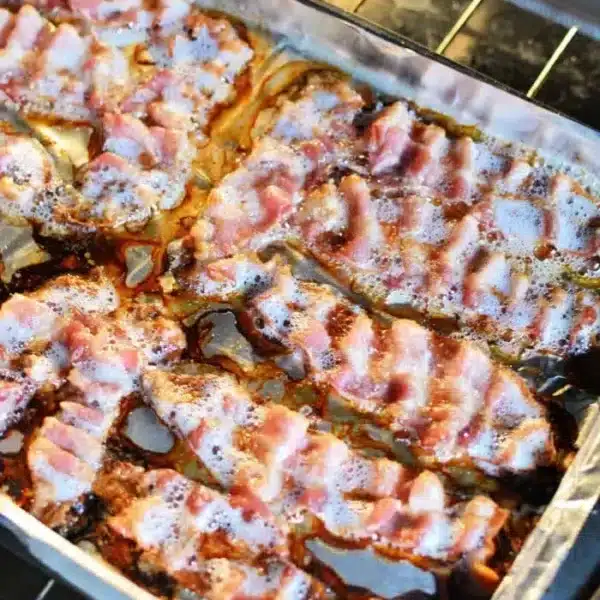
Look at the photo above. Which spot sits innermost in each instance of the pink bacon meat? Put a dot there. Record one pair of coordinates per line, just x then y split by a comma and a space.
141, 170
445, 397
251, 202
15, 393
104, 359
55, 71
268, 451
222, 547
305, 134
322, 110
446, 226
118, 23
194, 70
31, 355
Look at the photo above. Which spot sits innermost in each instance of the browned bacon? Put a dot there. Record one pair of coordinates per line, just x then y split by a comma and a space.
268, 451
56, 71
222, 547
100, 356
446, 398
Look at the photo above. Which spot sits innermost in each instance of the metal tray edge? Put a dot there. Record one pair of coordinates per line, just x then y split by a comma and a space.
93, 577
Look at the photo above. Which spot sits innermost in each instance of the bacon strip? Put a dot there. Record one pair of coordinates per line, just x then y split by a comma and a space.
55, 71
118, 23
322, 109
268, 451
15, 393
442, 225
222, 547
142, 170
31, 354
103, 356
194, 69
251, 201
445, 397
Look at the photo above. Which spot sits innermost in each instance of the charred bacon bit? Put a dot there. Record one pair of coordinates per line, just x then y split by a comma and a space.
446, 396
55, 71
268, 451
195, 535
195, 70
142, 170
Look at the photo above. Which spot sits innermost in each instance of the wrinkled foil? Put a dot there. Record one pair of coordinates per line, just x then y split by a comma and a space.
398, 68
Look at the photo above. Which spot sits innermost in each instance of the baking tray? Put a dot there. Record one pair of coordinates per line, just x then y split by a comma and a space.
400, 68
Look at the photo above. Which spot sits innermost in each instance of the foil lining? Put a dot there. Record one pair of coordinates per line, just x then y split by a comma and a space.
547, 546
401, 69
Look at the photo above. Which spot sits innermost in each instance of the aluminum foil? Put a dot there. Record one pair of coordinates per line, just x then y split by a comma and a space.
397, 68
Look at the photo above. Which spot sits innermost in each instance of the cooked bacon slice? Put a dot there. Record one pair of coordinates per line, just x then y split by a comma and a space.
323, 108
118, 23
31, 346
388, 137
403, 250
30, 322
268, 451
57, 72
196, 535
445, 397
422, 156
194, 70
104, 356
142, 169
24, 323
252, 201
